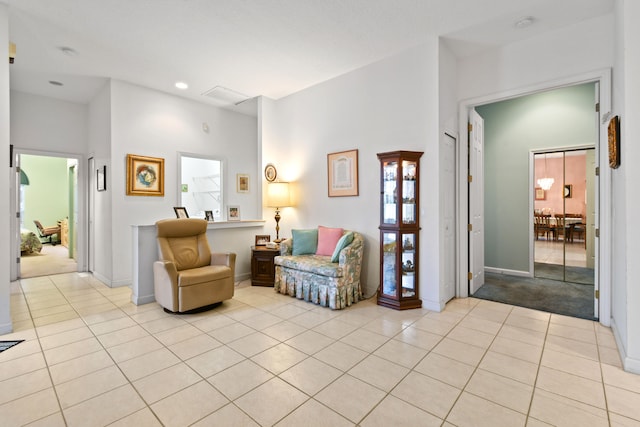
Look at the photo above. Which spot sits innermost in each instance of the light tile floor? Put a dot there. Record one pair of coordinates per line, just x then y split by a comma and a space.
92, 358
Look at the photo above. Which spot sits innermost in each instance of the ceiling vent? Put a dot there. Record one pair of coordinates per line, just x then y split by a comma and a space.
225, 95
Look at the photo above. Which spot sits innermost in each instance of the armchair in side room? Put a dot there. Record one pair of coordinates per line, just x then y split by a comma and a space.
48, 233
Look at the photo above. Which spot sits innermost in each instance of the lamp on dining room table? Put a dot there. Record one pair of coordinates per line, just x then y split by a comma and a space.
278, 196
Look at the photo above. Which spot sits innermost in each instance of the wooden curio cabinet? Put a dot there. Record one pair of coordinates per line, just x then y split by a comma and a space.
399, 229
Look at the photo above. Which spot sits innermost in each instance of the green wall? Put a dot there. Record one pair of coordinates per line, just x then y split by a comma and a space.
46, 198
555, 119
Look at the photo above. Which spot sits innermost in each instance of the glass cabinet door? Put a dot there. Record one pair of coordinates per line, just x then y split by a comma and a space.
389, 192
409, 192
408, 265
389, 256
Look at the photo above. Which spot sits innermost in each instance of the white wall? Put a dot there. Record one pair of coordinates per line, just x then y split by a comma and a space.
626, 101
99, 147
388, 105
570, 51
46, 124
5, 217
151, 123
448, 120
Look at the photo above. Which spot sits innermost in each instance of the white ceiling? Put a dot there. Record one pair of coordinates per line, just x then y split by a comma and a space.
255, 47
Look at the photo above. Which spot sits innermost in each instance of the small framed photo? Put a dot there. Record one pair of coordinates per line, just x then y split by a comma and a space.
181, 212
568, 191
208, 215
233, 213
540, 194
242, 183
262, 239
101, 178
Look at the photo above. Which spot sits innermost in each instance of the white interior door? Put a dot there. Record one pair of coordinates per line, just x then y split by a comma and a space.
15, 208
476, 201
448, 203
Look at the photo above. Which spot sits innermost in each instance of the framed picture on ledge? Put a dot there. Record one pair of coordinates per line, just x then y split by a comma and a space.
262, 239
181, 212
233, 213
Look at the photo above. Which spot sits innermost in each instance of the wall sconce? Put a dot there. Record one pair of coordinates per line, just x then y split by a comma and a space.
278, 196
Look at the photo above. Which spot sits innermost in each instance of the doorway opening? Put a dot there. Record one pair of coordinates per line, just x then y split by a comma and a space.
47, 194
508, 208
564, 216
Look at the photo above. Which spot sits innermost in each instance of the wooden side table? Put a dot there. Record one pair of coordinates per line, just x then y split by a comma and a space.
263, 270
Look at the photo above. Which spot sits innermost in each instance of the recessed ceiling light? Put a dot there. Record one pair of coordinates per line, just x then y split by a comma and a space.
69, 51
525, 22
182, 85
56, 83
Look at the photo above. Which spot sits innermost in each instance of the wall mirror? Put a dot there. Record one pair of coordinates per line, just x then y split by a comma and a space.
200, 185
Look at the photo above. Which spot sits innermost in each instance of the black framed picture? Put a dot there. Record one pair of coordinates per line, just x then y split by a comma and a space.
101, 178
181, 212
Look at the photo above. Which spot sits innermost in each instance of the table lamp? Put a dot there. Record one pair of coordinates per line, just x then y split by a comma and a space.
278, 196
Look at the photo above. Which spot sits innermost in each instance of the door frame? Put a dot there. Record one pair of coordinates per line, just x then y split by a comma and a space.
603, 271
81, 229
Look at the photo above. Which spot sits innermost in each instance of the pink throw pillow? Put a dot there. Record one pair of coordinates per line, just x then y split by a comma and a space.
327, 240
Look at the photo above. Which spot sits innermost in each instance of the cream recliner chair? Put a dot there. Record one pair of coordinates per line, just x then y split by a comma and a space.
189, 276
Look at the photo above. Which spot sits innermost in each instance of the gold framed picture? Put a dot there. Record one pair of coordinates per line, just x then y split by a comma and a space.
540, 194
242, 183
614, 142
145, 176
270, 172
342, 173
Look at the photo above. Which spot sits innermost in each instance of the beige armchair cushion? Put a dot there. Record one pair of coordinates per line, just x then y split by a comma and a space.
188, 276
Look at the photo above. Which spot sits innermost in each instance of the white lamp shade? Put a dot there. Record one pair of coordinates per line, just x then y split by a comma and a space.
278, 194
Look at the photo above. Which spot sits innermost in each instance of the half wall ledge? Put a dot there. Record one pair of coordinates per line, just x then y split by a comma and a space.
145, 253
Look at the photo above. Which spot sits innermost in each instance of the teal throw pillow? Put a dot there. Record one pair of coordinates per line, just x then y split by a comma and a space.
344, 241
304, 241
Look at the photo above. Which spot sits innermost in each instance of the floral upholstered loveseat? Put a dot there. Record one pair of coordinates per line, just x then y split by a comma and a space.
316, 278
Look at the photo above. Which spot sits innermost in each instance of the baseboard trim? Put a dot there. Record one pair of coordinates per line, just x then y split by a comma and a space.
433, 305
7, 328
629, 364
496, 270
101, 278
242, 277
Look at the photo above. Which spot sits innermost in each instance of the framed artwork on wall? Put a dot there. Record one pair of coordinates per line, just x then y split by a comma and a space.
568, 191
145, 176
614, 142
242, 183
270, 172
540, 194
342, 173
101, 178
